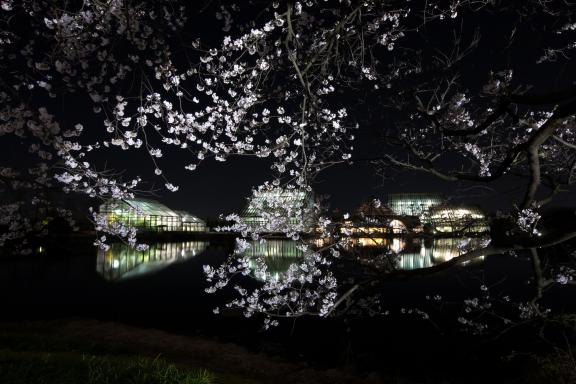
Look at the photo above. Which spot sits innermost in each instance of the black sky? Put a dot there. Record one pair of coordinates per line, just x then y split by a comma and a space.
216, 187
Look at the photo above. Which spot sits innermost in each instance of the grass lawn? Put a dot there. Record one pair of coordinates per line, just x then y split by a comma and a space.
70, 368
40, 358
93, 352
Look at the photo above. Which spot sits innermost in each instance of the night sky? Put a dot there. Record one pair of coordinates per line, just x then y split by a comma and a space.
216, 188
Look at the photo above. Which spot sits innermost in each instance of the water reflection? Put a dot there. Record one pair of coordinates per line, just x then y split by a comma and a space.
417, 253
121, 261
278, 255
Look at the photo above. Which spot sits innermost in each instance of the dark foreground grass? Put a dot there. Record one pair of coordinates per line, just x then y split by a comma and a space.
42, 355
29, 367
90, 352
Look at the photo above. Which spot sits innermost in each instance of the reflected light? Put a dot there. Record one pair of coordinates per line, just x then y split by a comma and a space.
121, 261
415, 255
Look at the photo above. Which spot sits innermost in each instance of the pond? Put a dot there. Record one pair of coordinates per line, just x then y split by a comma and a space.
166, 282
122, 262
163, 288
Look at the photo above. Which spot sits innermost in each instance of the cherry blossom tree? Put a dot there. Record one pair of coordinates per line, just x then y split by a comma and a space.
490, 127
291, 82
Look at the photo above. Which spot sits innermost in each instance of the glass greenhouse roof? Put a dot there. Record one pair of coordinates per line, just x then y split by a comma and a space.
415, 197
188, 217
443, 211
147, 207
150, 207
413, 204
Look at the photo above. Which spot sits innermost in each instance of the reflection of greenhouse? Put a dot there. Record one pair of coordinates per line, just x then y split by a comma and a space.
416, 253
395, 244
145, 214
277, 255
428, 255
121, 261
292, 207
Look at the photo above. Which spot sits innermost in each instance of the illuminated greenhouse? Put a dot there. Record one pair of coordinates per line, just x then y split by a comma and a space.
458, 219
290, 207
191, 223
413, 204
145, 214
369, 219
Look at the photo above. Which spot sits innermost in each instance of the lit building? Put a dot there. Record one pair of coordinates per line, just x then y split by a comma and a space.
369, 219
191, 223
145, 214
279, 208
413, 213
467, 219
413, 204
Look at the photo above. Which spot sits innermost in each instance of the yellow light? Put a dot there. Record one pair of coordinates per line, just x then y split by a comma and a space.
397, 245
371, 241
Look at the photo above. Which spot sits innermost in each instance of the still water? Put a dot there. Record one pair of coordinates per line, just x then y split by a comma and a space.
164, 287
122, 262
